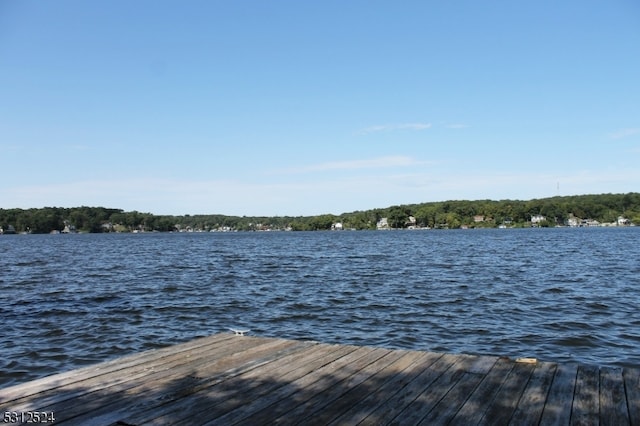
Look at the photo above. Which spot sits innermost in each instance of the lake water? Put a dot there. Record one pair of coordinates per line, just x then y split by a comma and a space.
67, 301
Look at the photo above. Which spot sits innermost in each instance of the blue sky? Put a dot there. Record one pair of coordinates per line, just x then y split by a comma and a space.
311, 107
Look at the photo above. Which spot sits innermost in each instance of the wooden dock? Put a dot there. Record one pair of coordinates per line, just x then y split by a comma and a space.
226, 379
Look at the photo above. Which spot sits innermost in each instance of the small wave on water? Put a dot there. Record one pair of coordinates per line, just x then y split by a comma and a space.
73, 301
555, 290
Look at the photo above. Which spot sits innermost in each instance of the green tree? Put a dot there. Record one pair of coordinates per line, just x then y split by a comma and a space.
322, 222
398, 216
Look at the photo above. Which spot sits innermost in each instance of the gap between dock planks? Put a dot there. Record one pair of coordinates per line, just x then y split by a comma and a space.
226, 379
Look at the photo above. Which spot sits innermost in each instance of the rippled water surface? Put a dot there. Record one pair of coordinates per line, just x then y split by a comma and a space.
554, 294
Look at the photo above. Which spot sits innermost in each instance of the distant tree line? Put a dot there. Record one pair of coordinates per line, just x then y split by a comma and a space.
605, 208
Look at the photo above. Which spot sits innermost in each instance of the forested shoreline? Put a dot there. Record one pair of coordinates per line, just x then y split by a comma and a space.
545, 212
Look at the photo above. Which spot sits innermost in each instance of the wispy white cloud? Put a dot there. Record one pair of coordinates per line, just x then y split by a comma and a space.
77, 147
623, 133
456, 126
634, 150
371, 163
10, 147
414, 126
392, 127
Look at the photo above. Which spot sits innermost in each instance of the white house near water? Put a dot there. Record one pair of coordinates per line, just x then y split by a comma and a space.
537, 218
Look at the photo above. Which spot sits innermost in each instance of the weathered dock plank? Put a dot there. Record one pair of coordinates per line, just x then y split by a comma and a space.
233, 393
278, 379
504, 404
142, 360
430, 396
361, 394
586, 402
531, 404
327, 399
474, 408
386, 392
187, 380
557, 408
613, 404
296, 391
226, 379
232, 390
306, 401
388, 410
448, 407
632, 389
